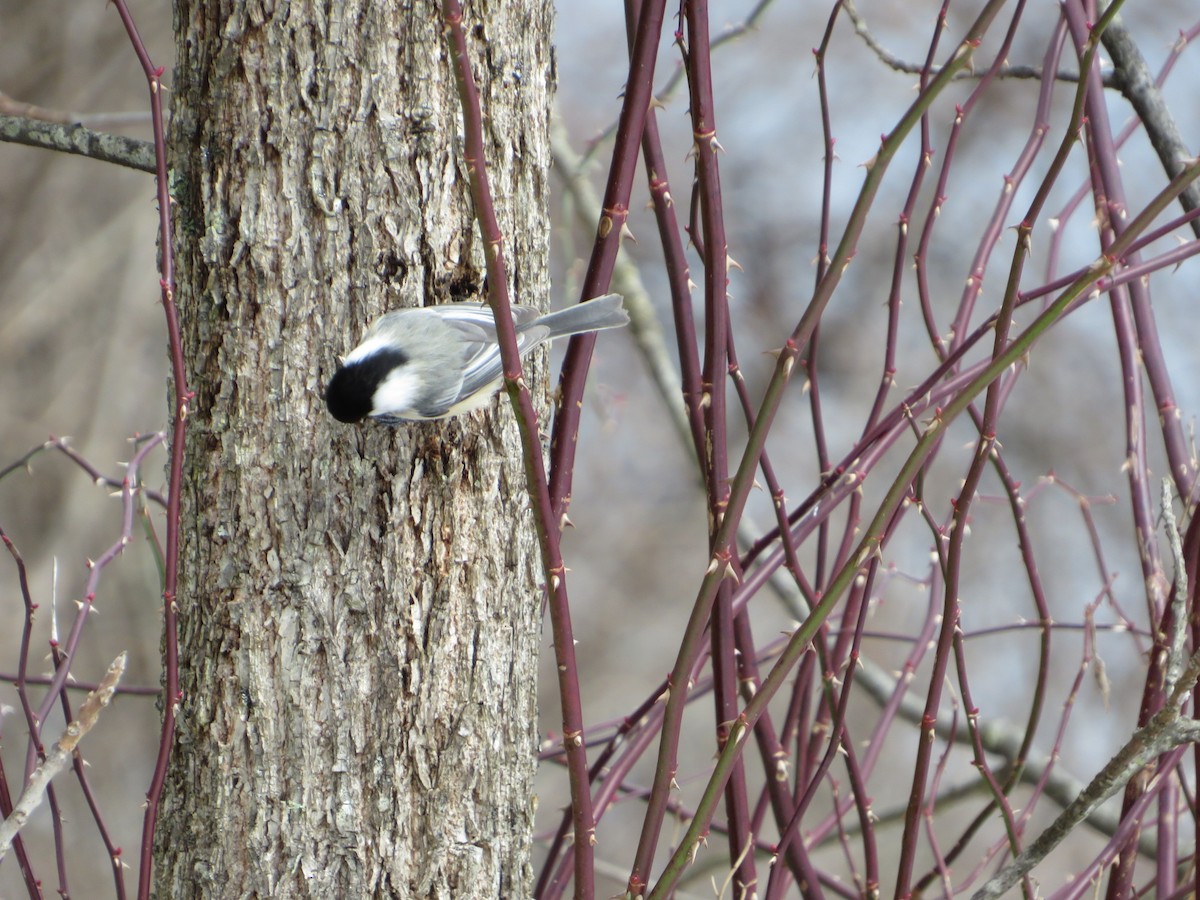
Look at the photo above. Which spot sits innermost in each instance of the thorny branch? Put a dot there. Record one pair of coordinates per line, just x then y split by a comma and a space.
812, 730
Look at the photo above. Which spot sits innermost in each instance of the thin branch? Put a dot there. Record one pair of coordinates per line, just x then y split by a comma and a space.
76, 139
143, 690
12, 107
892, 61
671, 85
719, 568
626, 281
63, 446
999, 737
1165, 732
60, 756
1176, 655
1133, 79
181, 397
634, 113
548, 527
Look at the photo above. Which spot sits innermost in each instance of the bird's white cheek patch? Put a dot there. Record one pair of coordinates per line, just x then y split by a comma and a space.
395, 395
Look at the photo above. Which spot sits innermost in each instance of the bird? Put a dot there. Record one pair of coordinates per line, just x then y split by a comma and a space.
439, 361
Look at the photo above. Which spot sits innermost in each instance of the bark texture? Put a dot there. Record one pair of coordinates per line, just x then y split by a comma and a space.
359, 605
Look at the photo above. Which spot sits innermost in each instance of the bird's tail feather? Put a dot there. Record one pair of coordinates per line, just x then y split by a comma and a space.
591, 315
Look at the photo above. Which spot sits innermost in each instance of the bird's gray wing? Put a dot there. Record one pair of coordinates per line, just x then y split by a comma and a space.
480, 352
476, 327
436, 405
464, 314
485, 365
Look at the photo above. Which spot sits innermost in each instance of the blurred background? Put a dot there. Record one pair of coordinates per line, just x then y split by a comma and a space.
83, 354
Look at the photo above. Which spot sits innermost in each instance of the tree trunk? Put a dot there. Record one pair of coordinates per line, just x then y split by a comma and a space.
359, 605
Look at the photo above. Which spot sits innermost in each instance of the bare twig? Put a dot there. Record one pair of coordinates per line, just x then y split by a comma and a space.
627, 281
1165, 731
671, 85
1001, 738
1133, 79
60, 756
1176, 658
63, 446
76, 139
892, 61
142, 690
13, 107
181, 397
546, 523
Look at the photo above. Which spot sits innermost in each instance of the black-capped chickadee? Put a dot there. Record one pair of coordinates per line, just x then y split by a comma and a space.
440, 361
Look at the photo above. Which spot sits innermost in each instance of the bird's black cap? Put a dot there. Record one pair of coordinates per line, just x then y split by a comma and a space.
351, 391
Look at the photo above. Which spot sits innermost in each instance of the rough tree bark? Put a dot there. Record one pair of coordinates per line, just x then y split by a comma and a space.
359, 605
